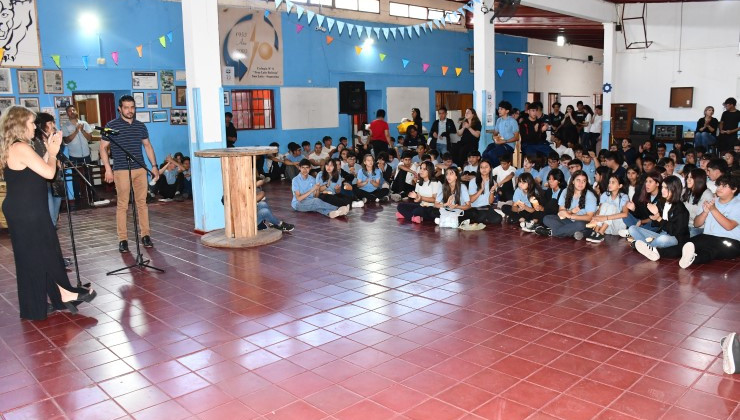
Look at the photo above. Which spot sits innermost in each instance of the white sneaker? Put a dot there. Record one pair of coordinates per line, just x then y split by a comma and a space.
343, 210
648, 251
358, 204
730, 353
364, 200
396, 197
334, 214
688, 254
529, 227
436, 221
377, 200
465, 224
500, 212
624, 233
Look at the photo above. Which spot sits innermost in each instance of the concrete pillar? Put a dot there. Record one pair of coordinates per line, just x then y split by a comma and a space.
484, 94
610, 50
205, 108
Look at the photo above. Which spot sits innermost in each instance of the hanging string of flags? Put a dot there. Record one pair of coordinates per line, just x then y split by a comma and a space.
164, 41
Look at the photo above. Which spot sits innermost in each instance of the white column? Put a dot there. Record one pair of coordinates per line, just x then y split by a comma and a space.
484, 94
205, 108
610, 50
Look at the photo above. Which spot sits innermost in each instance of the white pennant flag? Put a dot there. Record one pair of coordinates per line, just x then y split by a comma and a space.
278, 3
350, 28
385, 32
377, 32
320, 19
418, 31
431, 27
401, 31
288, 5
340, 26
299, 11
330, 23
408, 28
310, 15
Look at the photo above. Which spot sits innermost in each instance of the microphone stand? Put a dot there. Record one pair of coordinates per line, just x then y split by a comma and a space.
139, 261
66, 162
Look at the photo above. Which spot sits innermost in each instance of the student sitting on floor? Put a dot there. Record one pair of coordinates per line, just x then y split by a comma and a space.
526, 210
272, 166
305, 189
406, 177
648, 192
669, 216
332, 187
186, 188
716, 167
483, 198
385, 169
601, 180
420, 152
318, 157
694, 196
433, 156
504, 175
454, 196
550, 197
471, 169
612, 210
527, 167
633, 176
370, 182
447, 162
350, 169
393, 160
424, 195
721, 237
292, 160
265, 218
553, 162
168, 185
565, 166
577, 208
338, 151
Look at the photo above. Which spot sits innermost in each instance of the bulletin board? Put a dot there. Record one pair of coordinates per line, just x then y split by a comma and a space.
400, 100
302, 108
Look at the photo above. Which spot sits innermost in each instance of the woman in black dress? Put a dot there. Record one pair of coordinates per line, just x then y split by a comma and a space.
469, 133
39, 266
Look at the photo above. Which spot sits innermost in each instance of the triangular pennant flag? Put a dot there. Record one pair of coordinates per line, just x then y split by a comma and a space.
382, 56
84, 61
377, 32
443, 21
140, 50
54, 57
418, 31
350, 28
385, 33
408, 29
458, 70
163, 41
519, 71
425, 67
320, 19
169, 36
476, 1
431, 27
358, 50
444, 70
329, 39
114, 54
469, 8
460, 10
278, 3
299, 11
340, 26
548, 68
393, 31
436, 22
310, 15
288, 5
2, 54
424, 27
402, 31
267, 13
330, 23
405, 62
298, 28
359, 28
500, 72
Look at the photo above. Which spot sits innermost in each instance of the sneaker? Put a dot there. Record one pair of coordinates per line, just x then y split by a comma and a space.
396, 197
334, 214
364, 200
358, 204
285, 227
648, 251
624, 233
262, 225
688, 254
377, 200
436, 221
267, 179
385, 199
596, 238
543, 231
147, 241
500, 212
529, 227
416, 219
343, 210
730, 354
465, 224
399, 216
123, 247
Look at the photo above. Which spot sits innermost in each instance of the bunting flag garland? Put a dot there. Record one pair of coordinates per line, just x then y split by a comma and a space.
458, 70
329, 39
467, 7
279, 2
418, 31
401, 33
408, 29
54, 57
436, 22
163, 41
350, 28
425, 67
382, 56
359, 29
519, 71
320, 19
431, 28
299, 11
500, 72
393, 32
298, 28
310, 15
444, 70
330, 23
358, 50
114, 55
289, 5
169, 34
385, 32
405, 62
340, 26
377, 32
140, 50
267, 13
548, 68
85, 60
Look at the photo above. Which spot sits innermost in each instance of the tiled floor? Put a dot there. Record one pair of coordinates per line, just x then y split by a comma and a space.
368, 318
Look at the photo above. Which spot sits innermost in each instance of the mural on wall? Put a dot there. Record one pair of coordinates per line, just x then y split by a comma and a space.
19, 33
251, 47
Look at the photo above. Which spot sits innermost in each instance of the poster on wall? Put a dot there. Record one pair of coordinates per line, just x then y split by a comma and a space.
6, 84
167, 77
144, 80
19, 33
53, 81
252, 44
6, 102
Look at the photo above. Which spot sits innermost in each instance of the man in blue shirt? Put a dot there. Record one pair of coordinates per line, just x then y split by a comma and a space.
505, 135
133, 136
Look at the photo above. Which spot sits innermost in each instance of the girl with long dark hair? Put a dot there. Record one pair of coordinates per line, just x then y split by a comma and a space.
577, 208
669, 216
469, 132
424, 195
333, 189
612, 210
694, 196
648, 192
370, 181
526, 202
45, 128
484, 194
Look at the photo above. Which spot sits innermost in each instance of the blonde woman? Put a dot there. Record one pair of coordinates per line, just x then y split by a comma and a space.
40, 271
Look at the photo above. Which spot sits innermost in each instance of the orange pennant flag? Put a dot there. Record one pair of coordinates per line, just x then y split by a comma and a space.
140, 50
444, 70
458, 70
329, 39
548, 68
358, 50
2, 54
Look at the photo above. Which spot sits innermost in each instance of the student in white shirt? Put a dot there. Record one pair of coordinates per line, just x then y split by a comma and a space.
559, 147
594, 128
424, 195
694, 196
318, 157
504, 175
453, 195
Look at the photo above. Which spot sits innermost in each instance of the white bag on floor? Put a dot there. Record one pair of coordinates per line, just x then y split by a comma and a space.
449, 218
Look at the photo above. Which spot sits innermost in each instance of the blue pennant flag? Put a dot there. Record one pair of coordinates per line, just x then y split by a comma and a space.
310, 15
350, 28
408, 28
436, 22
405, 62
299, 11
330, 23
169, 36
393, 31
267, 13
469, 8
401, 31
500, 72
320, 19
418, 31
340, 26
431, 27
377, 32
288, 5
385, 32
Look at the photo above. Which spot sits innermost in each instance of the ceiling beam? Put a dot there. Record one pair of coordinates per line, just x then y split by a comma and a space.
596, 10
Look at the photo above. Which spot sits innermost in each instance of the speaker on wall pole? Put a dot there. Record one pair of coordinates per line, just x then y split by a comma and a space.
351, 98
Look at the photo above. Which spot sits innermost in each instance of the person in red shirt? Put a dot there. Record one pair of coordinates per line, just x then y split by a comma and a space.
380, 137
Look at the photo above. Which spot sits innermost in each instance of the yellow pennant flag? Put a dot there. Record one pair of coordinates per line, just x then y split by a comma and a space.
329, 39
444, 70
458, 70
2, 54
163, 41
358, 50
140, 50
382, 56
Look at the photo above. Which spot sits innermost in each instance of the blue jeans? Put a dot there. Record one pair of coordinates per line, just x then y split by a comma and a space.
265, 214
54, 204
534, 149
631, 220
314, 204
660, 240
495, 151
704, 139
563, 228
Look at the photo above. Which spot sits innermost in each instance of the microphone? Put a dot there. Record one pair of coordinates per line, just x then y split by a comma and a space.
105, 130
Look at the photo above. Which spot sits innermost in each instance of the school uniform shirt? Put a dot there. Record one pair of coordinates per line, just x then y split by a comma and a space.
590, 207
290, 157
484, 198
416, 159
534, 172
506, 127
595, 126
520, 195
543, 174
500, 174
302, 186
562, 150
171, 175
329, 184
711, 186
322, 156
394, 164
428, 189
698, 208
622, 173
619, 202
410, 175
631, 191
566, 173
731, 210
375, 176
464, 196
590, 171
268, 164
357, 167
470, 168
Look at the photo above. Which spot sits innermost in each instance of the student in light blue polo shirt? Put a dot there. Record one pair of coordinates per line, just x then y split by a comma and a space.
553, 162
528, 167
305, 191
589, 167
505, 135
370, 181
577, 208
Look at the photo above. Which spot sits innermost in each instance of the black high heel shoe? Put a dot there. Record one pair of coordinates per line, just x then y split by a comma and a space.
85, 297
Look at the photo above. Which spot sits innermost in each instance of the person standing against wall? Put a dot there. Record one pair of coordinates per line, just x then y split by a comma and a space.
729, 125
76, 135
439, 135
230, 130
380, 138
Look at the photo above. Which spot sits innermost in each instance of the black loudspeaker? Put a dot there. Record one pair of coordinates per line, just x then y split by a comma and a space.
351, 98
590, 58
618, 27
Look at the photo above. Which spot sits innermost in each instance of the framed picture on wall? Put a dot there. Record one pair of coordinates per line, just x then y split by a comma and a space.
181, 96
143, 116
159, 116
179, 117
145, 80
28, 82
167, 79
6, 85
139, 99
227, 98
31, 103
53, 81
166, 100
6, 102
62, 102
152, 100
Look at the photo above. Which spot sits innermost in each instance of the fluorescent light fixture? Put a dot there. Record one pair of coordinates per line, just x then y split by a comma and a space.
368, 43
561, 40
89, 22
